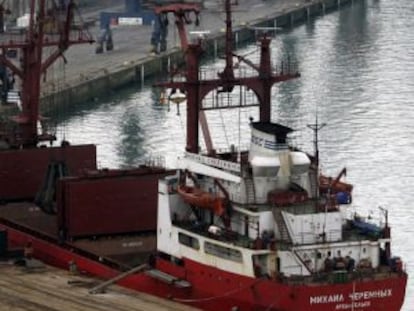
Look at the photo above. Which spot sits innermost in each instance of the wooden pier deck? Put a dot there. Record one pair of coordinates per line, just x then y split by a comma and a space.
49, 289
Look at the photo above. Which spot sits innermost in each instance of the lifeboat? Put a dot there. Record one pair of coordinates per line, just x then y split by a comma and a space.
335, 186
202, 199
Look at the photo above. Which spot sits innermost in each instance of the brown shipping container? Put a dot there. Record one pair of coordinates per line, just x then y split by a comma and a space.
22, 172
114, 203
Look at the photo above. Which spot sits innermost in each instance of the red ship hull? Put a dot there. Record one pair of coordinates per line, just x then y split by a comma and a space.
215, 289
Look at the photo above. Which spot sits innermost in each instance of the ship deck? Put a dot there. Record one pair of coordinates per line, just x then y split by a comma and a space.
28, 215
45, 288
123, 251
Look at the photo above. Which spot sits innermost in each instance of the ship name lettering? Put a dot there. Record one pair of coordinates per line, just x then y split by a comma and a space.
381, 293
132, 244
326, 299
354, 305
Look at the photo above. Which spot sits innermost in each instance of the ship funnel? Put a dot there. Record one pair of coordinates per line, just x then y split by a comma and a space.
274, 165
268, 139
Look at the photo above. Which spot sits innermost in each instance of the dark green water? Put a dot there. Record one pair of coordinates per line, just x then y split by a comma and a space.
357, 69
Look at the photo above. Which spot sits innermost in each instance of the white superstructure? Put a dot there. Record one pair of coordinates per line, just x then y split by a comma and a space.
271, 225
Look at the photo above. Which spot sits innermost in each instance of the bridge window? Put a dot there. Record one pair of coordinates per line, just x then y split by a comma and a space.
223, 252
188, 240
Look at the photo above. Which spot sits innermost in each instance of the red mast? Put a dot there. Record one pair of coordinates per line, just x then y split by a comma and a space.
196, 89
50, 25
228, 72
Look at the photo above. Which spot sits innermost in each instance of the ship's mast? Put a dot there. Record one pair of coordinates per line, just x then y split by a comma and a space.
196, 89
58, 22
316, 127
228, 73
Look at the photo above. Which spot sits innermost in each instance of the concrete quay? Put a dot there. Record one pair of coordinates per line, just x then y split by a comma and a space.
90, 76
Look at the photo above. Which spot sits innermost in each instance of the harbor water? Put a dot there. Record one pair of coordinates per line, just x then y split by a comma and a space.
357, 78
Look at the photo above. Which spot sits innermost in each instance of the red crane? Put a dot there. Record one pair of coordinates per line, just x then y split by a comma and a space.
50, 26
23, 166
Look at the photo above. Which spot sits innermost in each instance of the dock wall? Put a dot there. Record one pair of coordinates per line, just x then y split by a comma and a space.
139, 70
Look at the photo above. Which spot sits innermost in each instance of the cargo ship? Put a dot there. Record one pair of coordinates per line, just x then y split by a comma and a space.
238, 229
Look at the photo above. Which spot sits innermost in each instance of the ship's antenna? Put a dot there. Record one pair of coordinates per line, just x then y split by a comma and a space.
316, 127
387, 232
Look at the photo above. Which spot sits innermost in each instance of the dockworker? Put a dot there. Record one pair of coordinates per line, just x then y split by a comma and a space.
328, 263
28, 250
339, 262
265, 238
159, 34
73, 268
350, 263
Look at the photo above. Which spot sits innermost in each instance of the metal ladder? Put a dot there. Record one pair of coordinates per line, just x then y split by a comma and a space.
250, 191
281, 225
